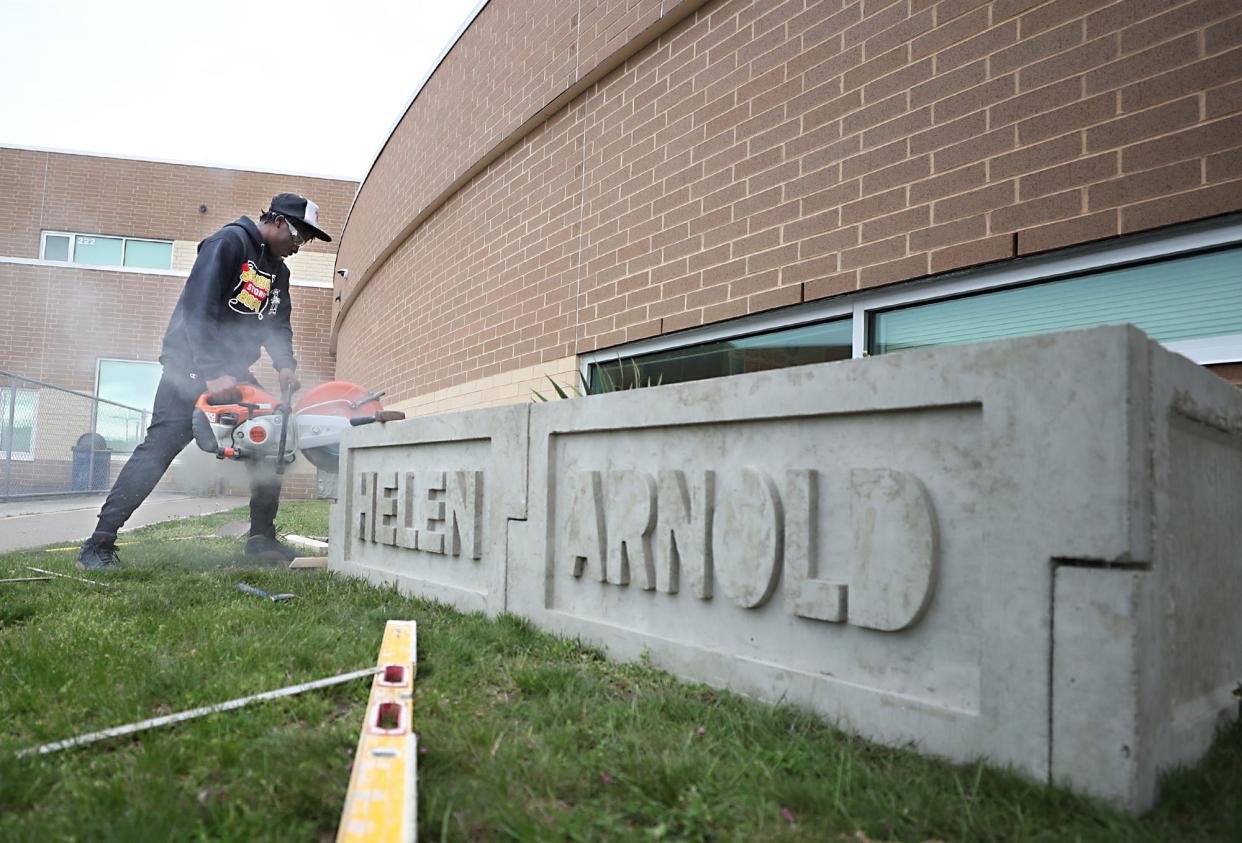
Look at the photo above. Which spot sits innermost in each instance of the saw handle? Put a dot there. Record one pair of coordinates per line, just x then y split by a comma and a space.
286, 395
381, 417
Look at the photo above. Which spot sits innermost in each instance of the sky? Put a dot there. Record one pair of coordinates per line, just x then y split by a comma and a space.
298, 86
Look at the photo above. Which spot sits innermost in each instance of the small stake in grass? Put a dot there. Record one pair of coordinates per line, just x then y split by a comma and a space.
258, 592
26, 579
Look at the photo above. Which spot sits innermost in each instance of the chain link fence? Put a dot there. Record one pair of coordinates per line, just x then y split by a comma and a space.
54, 441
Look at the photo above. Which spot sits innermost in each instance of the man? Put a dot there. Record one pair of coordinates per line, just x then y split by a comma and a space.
235, 301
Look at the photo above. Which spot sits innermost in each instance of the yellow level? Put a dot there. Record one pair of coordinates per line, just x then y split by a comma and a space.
382, 802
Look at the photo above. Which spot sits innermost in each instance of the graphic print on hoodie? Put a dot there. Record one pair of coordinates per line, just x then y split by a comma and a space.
252, 291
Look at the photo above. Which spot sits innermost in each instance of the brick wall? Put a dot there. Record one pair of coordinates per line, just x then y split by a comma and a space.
41, 191
760, 154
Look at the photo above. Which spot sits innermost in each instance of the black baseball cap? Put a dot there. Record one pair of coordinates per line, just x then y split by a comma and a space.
303, 212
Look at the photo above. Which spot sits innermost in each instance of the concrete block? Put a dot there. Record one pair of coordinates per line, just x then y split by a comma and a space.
1025, 551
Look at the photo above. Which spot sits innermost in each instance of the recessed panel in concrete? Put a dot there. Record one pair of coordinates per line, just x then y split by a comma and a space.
425, 503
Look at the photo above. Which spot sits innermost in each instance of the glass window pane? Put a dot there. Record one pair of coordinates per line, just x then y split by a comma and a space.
56, 247
778, 349
148, 254
129, 382
21, 435
1178, 299
97, 251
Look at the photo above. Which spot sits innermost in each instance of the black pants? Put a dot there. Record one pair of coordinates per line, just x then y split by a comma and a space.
169, 432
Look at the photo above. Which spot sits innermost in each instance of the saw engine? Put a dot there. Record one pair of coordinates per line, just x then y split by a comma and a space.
245, 422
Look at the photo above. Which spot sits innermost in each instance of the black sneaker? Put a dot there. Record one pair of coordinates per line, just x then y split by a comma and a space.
98, 554
268, 549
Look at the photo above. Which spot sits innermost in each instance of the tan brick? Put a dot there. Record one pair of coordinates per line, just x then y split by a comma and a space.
1145, 124
873, 205
830, 285
949, 83
1031, 158
874, 21
975, 202
874, 159
981, 45
903, 269
1078, 173
828, 243
1174, 178
1223, 101
975, 149
1190, 79
958, 231
948, 184
1080, 115
1190, 143
1224, 166
777, 297
1037, 211
875, 252
903, 126
1035, 102
865, 118
973, 253
1070, 63
1226, 34
1186, 17
810, 270
1204, 202
946, 133
1051, 14
832, 197
1031, 49
879, 66
898, 175
904, 31
898, 81
975, 99
897, 223
1142, 65
952, 32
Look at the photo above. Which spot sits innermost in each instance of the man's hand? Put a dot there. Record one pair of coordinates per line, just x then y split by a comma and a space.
223, 382
289, 382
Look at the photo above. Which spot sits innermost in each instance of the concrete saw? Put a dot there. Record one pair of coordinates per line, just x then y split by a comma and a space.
245, 422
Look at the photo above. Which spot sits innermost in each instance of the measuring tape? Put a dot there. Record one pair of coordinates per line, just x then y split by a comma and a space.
382, 802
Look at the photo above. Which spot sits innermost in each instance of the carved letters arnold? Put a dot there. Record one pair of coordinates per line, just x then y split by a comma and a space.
738, 532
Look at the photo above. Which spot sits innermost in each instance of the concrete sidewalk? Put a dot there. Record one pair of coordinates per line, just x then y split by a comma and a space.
38, 522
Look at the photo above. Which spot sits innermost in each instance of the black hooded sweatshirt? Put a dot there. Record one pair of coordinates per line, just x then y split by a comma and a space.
235, 301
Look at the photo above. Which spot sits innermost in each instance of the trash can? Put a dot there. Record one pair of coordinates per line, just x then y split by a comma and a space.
91, 466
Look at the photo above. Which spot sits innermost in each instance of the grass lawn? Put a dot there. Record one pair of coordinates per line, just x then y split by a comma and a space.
528, 737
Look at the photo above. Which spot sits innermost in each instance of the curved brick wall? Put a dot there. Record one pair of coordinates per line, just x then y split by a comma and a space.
565, 183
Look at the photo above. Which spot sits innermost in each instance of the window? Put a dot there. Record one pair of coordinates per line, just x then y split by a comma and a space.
131, 383
18, 433
97, 250
1171, 300
1182, 286
796, 346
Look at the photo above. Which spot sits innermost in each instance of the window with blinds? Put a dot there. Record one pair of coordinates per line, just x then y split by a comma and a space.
1171, 300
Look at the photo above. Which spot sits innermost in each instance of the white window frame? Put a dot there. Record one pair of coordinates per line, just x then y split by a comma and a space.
1140, 248
73, 243
146, 414
23, 456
